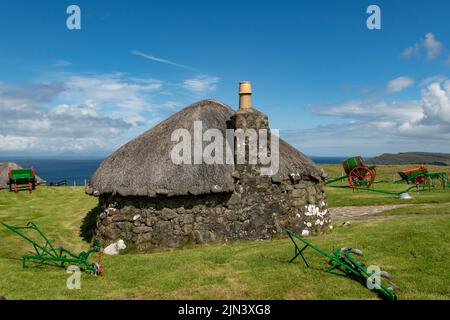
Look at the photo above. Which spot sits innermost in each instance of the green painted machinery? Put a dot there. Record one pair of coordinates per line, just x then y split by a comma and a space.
362, 177
415, 176
357, 173
22, 178
421, 176
342, 259
47, 253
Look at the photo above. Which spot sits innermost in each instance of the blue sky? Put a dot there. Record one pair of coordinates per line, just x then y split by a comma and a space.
332, 86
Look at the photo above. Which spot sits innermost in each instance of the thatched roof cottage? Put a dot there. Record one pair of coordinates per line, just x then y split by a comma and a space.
153, 200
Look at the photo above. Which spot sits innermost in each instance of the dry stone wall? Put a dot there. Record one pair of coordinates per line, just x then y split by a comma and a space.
257, 209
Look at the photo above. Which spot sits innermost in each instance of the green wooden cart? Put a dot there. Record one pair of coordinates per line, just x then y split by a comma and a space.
421, 176
357, 173
19, 178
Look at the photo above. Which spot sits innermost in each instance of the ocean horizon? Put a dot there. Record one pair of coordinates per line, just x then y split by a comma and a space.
78, 171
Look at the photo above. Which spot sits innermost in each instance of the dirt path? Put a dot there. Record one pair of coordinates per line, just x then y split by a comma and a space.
360, 212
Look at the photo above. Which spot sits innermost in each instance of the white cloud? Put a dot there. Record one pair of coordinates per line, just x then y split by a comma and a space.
10, 142
437, 78
32, 120
86, 112
410, 51
78, 112
432, 46
383, 111
429, 44
399, 84
436, 103
160, 60
15, 143
62, 63
201, 84
373, 126
120, 96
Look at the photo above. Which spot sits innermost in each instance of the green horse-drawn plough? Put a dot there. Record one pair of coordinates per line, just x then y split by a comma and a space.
45, 252
342, 260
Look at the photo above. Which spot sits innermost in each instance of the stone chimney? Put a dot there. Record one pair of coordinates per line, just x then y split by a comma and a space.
246, 118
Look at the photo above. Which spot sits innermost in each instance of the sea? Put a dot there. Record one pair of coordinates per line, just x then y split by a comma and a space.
76, 172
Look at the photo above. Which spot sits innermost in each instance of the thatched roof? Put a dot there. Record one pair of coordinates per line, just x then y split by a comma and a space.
143, 166
4, 169
294, 162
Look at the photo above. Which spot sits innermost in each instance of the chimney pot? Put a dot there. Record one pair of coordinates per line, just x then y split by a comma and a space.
245, 95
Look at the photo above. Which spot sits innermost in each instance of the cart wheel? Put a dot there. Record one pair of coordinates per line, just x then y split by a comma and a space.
421, 179
361, 177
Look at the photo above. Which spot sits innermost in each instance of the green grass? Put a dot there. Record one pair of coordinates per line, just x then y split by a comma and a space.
412, 247
418, 209
339, 195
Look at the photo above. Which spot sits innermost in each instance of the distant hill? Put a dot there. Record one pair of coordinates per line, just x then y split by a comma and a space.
438, 159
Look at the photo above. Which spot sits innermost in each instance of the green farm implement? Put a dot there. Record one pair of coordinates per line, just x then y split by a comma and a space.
362, 177
47, 253
357, 173
342, 260
421, 176
22, 178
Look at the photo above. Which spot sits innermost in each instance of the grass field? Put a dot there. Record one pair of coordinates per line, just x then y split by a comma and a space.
411, 242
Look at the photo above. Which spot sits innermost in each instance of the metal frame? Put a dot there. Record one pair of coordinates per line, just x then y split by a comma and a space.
341, 259
61, 256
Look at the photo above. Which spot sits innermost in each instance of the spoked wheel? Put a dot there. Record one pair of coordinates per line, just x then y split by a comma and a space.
361, 177
421, 179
